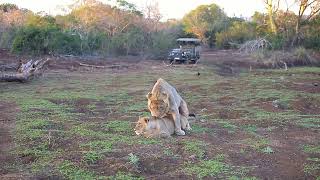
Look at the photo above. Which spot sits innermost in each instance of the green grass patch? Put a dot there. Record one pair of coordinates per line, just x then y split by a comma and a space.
260, 144
99, 145
227, 125
92, 157
119, 127
242, 178
71, 171
44, 165
215, 168
84, 130
260, 115
311, 149
311, 168
136, 107
124, 176
200, 129
208, 168
194, 147
311, 122
251, 128
302, 70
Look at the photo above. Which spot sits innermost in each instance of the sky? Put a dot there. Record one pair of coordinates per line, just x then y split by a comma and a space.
168, 8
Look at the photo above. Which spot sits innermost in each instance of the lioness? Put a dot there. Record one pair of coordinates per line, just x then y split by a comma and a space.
158, 127
164, 100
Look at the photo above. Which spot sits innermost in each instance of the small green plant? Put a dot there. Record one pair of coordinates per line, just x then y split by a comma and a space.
168, 152
133, 159
259, 144
91, 107
92, 157
311, 168
250, 128
267, 150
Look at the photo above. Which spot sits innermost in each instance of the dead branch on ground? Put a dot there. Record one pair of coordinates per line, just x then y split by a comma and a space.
25, 72
93, 66
9, 67
113, 66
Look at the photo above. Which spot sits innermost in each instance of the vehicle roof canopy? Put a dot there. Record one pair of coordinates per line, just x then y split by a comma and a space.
189, 41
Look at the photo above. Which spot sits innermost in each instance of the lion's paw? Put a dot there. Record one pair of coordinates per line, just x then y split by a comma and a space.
180, 132
188, 128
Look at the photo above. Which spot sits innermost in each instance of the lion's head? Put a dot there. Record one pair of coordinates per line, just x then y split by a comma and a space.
141, 125
158, 104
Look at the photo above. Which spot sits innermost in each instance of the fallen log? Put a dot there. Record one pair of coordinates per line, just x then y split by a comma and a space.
114, 66
8, 67
93, 66
32, 68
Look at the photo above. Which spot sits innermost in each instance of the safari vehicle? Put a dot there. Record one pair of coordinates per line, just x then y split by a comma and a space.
189, 51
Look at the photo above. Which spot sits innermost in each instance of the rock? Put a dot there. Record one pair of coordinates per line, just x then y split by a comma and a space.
275, 103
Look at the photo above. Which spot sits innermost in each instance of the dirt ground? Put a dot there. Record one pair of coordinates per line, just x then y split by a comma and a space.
76, 122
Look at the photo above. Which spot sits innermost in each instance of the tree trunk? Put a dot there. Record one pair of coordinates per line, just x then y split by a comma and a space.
18, 77
25, 71
296, 37
271, 17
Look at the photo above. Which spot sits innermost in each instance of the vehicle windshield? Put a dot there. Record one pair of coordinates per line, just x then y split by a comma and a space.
175, 50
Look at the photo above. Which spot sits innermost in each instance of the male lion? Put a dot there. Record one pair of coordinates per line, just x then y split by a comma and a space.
164, 100
158, 127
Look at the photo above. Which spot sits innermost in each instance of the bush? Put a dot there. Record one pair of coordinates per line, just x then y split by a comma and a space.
64, 43
279, 59
95, 41
312, 39
312, 42
130, 42
238, 33
277, 41
311, 34
7, 37
30, 40
161, 43
39, 40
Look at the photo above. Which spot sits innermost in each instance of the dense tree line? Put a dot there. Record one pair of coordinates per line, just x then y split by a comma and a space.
283, 28
89, 29
95, 28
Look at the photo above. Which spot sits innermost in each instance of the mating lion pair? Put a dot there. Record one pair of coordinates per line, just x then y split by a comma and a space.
169, 113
